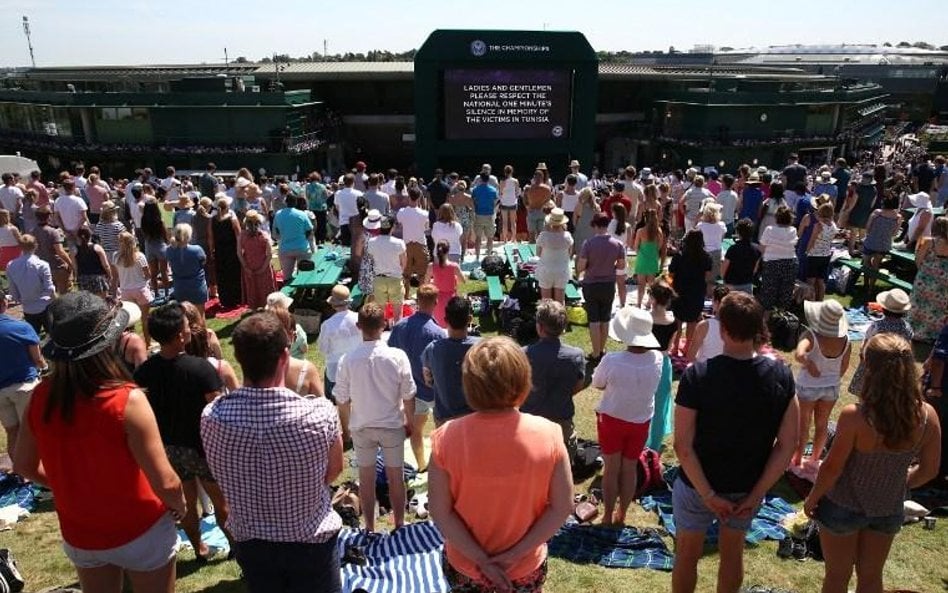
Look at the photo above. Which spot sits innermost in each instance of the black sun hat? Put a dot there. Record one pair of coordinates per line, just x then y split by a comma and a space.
82, 325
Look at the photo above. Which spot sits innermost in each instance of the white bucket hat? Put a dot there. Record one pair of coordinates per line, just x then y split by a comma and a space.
633, 327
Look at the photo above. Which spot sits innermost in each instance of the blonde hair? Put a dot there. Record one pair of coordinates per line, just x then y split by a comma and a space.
182, 234
4, 217
496, 375
252, 221
446, 213
205, 205
28, 243
109, 211
222, 207
891, 392
128, 249
711, 212
587, 195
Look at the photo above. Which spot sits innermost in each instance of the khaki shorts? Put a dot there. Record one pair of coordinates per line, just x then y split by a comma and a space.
416, 256
387, 290
368, 441
13, 400
484, 226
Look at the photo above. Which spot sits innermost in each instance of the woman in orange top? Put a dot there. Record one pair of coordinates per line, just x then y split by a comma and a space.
91, 436
498, 543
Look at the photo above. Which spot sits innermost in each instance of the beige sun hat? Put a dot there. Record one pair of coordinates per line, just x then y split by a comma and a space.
826, 318
339, 296
633, 327
557, 217
894, 301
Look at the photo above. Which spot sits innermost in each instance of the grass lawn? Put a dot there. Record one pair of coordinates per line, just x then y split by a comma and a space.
917, 561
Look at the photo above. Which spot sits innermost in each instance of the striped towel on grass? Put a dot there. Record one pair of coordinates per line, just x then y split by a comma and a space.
408, 561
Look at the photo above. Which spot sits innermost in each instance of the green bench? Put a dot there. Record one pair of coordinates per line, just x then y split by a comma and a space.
856, 266
495, 290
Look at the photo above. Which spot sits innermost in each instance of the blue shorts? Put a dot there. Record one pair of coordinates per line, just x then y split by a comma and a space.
691, 514
839, 520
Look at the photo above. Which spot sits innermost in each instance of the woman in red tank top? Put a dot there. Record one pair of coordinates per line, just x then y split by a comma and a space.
91, 436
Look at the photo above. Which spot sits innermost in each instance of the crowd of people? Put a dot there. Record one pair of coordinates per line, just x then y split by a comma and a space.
167, 427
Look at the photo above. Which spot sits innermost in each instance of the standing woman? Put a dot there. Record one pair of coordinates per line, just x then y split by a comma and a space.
858, 207
509, 199
491, 544
201, 236
649, 246
156, 244
9, 240
131, 271
600, 259
713, 231
202, 345
665, 329
449, 230
90, 435
256, 258
107, 231
463, 205
779, 272
555, 250
881, 229
187, 266
929, 311
690, 270
225, 234
623, 232
586, 208
861, 486
93, 272
768, 210
446, 275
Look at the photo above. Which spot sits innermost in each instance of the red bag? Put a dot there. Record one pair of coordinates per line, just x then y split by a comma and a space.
650, 473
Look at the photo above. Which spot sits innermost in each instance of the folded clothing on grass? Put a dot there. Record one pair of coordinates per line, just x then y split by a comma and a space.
627, 547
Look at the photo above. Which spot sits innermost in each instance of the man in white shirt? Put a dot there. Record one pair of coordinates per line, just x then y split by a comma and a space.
491, 179
389, 255
338, 335
71, 211
347, 205
11, 199
692, 200
171, 185
414, 221
374, 383
80, 180
634, 191
133, 201
389, 186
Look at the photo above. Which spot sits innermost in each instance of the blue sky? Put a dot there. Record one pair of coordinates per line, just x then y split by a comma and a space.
175, 31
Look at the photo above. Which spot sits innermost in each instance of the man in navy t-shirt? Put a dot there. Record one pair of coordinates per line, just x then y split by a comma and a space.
485, 210
736, 427
19, 373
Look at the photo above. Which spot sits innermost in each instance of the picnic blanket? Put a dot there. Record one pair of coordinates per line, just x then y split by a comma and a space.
408, 561
766, 525
211, 534
859, 322
613, 548
14, 490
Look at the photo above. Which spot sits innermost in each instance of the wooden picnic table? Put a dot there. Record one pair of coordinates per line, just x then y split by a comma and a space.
329, 262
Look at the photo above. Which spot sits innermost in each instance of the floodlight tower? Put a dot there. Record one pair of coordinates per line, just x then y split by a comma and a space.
29, 41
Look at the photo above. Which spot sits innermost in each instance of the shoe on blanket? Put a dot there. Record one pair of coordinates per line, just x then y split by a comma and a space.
355, 555
785, 548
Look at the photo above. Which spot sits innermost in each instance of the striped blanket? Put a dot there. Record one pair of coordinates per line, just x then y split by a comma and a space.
409, 561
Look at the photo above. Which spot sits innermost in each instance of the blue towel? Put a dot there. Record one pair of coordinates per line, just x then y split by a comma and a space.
211, 534
859, 322
613, 548
766, 525
409, 561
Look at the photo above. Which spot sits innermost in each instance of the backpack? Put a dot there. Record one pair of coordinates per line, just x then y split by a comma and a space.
519, 325
784, 328
587, 461
10, 578
526, 290
493, 265
649, 470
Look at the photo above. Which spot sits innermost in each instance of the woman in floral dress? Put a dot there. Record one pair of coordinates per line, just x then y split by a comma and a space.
929, 311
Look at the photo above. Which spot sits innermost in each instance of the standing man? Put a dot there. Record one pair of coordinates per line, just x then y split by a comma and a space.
559, 372
359, 177
31, 284
374, 383
208, 182
414, 222
486, 199
441, 362
11, 200
317, 199
293, 228
412, 336
537, 194
491, 178
794, 172
568, 199
923, 175
347, 204
941, 182
617, 196
338, 335
581, 179
842, 176
375, 199
72, 212
438, 191
389, 254
19, 374
49, 246
736, 426
634, 191
692, 201
37, 185
281, 546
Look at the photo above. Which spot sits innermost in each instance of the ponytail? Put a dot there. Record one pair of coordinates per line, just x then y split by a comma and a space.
442, 252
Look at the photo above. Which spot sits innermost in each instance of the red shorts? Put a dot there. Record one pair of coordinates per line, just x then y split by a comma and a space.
619, 436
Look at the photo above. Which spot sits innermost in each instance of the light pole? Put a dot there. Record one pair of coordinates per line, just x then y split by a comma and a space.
29, 42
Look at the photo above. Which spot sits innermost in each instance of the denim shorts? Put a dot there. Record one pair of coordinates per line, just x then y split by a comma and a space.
818, 394
149, 551
691, 514
839, 520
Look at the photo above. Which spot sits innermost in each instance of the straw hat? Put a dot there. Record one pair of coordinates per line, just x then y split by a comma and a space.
278, 300
753, 178
541, 166
373, 220
826, 318
109, 206
633, 327
339, 297
573, 163
894, 301
557, 217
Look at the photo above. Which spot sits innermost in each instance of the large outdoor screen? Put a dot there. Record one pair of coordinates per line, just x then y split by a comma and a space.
489, 104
